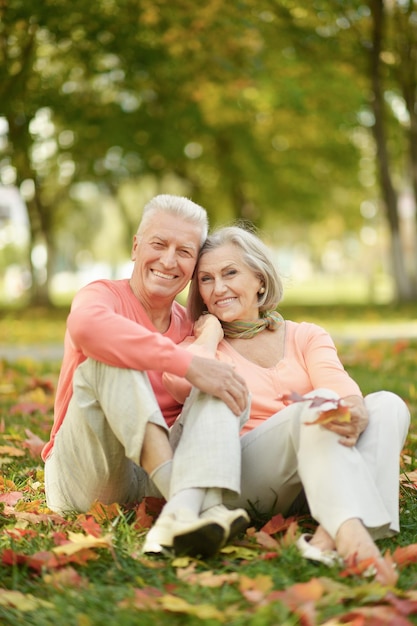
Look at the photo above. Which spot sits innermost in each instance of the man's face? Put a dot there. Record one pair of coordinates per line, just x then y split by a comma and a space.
165, 254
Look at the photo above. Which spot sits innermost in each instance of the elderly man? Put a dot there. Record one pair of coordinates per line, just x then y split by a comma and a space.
110, 438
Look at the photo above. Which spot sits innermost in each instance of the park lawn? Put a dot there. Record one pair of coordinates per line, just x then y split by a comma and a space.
87, 570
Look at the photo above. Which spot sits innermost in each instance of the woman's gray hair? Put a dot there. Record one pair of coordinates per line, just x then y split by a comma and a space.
257, 257
179, 206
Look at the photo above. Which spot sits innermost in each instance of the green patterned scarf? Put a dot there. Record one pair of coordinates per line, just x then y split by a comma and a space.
241, 329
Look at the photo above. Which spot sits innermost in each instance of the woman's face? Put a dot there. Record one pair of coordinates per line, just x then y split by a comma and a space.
228, 287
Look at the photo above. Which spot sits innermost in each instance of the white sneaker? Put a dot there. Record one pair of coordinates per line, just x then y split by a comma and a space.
234, 521
186, 533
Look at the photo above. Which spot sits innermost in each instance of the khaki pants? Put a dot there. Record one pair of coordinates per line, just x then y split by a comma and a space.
97, 449
283, 456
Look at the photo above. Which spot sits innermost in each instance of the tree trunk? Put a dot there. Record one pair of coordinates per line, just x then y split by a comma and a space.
403, 284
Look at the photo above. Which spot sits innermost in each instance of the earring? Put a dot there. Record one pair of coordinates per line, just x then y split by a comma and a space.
262, 290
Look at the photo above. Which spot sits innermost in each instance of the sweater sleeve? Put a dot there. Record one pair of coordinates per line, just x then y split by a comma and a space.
102, 325
322, 361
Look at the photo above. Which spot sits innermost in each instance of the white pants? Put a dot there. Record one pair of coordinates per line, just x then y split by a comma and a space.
97, 450
283, 456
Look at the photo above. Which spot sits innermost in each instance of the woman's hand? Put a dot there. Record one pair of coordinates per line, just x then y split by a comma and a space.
349, 431
208, 328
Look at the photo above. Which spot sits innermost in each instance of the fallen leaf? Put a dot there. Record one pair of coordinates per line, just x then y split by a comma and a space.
11, 451
174, 604
404, 555
143, 520
104, 512
65, 577
21, 601
78, 541
146, 599
205, 579
11, 497
277, 524
255, 589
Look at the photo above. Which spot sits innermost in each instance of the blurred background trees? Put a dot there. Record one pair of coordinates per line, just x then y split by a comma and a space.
300, 117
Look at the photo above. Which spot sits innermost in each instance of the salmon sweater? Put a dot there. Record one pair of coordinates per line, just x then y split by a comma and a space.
107, 323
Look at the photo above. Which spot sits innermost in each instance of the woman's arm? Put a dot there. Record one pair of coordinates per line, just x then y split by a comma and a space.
207, 335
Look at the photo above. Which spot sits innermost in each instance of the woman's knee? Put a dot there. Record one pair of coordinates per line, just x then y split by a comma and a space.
387, 405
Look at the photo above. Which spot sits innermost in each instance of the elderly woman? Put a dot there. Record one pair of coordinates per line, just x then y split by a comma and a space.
348, 470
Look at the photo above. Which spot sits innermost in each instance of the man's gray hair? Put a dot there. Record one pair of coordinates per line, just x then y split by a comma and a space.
179, 206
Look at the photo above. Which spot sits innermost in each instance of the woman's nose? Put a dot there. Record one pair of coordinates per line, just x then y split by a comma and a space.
219, 286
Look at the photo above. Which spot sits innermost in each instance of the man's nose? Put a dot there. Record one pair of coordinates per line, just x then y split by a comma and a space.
168, 258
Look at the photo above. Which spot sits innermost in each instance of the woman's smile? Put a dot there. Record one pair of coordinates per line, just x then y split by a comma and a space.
228, 286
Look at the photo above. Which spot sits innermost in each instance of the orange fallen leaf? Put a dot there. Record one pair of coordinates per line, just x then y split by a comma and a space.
404, 555
255, 589
340, 413
143, 520
277, 524
104, 512
11, 451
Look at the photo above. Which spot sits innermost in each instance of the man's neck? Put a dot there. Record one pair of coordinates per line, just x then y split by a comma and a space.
158, 311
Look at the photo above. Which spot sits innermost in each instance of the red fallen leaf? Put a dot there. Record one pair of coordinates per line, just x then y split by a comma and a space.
404, 555
42, 383
288, 398
337, 411
20, 533
47, 560
268, 556
381, 615
341, 414
405, 606
153, 505
90, 525
59, 538
301, 598
28, 408
65, 577
11, 498
265, 540
143, 520
146, 599
277, 524
357, 568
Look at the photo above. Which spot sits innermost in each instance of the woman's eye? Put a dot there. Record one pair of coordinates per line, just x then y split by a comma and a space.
231, 273
204, 279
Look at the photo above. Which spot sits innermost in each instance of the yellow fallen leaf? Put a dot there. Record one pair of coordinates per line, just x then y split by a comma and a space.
174, 604
78, 541
240, 553
21, 601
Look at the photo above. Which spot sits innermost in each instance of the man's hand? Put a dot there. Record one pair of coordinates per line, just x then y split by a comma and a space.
349, 431
220, 380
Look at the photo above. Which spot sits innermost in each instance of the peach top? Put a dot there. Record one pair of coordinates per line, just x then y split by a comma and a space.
310, 361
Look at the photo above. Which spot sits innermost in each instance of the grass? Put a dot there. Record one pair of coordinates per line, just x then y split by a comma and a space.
116, 585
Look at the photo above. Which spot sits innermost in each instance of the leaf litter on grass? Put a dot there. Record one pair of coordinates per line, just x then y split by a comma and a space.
44, 554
